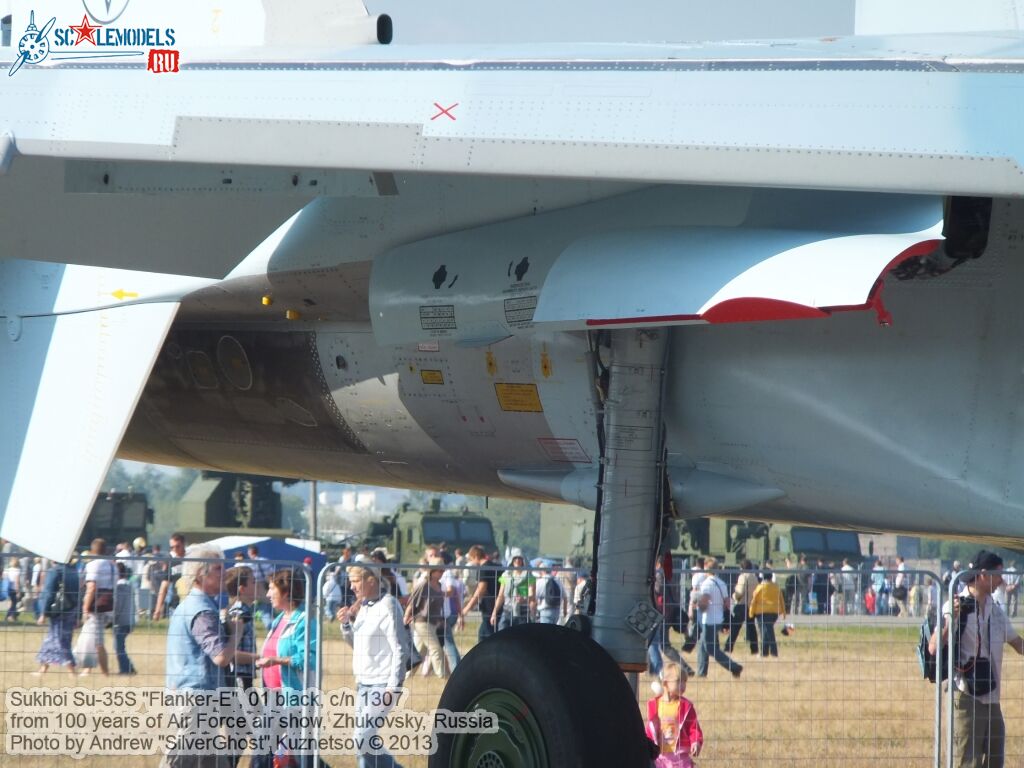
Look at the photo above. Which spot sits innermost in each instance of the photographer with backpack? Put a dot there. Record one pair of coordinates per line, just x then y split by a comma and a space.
979, 732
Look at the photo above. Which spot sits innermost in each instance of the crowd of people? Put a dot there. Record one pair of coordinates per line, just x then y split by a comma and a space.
141, 581
978, 616
878, 588
710, 609
714, 605
449, 586
213, 610
398, 625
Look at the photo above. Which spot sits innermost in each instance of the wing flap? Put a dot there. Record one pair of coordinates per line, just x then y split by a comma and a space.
719, 275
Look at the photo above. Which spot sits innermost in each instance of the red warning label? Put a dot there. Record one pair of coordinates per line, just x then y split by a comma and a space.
564, 450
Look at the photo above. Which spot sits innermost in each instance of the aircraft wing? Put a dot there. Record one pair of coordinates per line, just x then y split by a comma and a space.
73, 361
928, 114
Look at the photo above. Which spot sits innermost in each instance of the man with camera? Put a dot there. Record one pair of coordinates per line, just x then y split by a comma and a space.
981, 629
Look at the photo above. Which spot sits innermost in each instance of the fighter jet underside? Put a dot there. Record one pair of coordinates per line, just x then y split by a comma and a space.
455, 271
768, 279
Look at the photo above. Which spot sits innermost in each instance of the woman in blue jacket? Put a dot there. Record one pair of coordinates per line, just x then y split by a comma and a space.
283, 657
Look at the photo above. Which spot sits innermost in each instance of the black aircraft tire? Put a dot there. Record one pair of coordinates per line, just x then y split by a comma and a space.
560, 699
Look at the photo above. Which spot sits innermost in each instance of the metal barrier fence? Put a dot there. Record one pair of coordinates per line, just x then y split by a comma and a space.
840, 686
437, 628
984, 727
107, 661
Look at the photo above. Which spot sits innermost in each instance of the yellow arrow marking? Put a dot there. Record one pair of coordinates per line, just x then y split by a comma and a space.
120, 294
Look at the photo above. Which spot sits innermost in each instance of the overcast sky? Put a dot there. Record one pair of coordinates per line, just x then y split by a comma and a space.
491, 21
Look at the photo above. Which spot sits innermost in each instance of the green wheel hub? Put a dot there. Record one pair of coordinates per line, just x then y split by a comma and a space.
518, 742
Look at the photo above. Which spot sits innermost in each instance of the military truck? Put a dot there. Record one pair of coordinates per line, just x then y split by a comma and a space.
407, 533
568, 531
732, 541
117, 517
225, 504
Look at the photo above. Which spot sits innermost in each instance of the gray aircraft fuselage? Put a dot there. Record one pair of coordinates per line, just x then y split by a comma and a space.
914, 427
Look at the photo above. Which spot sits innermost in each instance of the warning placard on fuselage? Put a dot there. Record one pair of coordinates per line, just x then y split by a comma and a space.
432, 377
519, 311
518, 398
626, 438
437, 317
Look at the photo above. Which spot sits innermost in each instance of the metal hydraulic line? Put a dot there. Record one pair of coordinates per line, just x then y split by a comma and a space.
630, 494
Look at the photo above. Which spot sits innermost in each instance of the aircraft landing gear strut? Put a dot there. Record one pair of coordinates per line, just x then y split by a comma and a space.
630, 496
560, 697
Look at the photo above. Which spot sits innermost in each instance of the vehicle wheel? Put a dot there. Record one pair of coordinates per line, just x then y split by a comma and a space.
560, 700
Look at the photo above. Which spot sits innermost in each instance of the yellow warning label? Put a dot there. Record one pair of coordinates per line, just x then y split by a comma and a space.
432, 377
521, 398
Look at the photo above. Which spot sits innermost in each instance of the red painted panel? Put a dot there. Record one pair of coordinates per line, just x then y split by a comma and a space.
756, 309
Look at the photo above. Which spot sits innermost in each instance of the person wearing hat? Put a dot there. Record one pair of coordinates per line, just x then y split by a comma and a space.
979, 732
517, 594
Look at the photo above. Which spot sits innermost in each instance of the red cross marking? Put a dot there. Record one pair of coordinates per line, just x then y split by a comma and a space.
447, 111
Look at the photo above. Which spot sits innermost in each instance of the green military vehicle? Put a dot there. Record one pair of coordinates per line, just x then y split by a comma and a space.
116, 517
407, 533
568, 531
228, 504
732, 541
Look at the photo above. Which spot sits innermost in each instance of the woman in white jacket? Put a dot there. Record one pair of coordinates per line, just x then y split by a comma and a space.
373, 627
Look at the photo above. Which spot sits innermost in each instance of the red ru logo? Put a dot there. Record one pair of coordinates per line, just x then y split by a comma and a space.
161, 61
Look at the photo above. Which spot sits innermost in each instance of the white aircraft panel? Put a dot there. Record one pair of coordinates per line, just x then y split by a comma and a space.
884, 17
78, 377
832, 272
715, 274
878, 119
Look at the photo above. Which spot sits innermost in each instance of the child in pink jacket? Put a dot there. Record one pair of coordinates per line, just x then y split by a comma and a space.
672, 722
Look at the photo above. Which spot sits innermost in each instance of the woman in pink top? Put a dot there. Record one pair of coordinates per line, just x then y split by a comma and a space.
283, 607
287, 656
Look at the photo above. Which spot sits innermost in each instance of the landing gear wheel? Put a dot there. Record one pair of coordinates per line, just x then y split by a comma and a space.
560, 700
